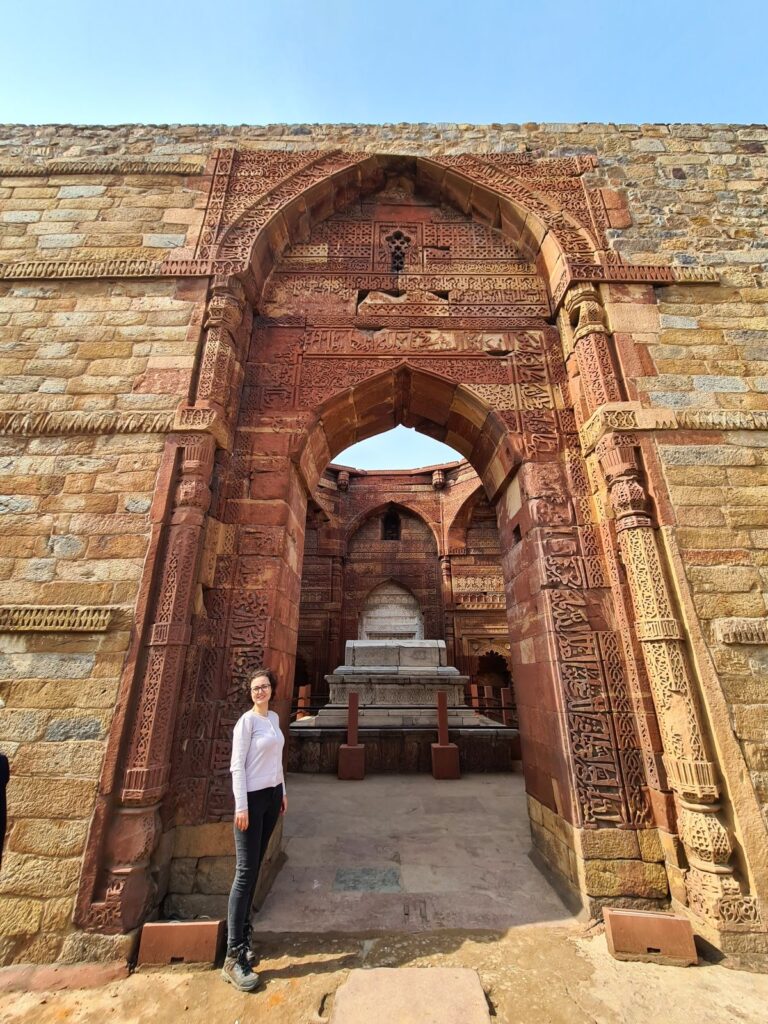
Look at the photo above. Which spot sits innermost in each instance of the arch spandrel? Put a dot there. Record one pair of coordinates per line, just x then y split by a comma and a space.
265, 202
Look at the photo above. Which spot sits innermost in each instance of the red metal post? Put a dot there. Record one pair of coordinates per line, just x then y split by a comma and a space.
352, 717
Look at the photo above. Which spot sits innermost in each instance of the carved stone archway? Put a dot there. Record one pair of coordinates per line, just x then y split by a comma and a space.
584, 530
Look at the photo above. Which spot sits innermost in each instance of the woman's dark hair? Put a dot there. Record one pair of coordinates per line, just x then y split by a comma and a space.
258, 672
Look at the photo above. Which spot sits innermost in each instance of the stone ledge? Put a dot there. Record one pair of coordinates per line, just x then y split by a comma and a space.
74, 167
26, 978
15, 423
25, 618
741, 631
630, 416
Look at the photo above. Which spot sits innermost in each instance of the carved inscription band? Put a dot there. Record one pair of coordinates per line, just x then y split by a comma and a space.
25, 618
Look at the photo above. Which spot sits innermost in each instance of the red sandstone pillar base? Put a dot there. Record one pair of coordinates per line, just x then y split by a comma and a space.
445, 761
351, 761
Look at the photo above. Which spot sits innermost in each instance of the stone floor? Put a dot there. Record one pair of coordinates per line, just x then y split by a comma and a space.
535, 963
407, 853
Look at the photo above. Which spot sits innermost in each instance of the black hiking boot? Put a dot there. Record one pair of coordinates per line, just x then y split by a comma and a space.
251, 954
237, 971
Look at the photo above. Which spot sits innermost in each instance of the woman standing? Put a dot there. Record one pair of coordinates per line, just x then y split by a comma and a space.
259, 787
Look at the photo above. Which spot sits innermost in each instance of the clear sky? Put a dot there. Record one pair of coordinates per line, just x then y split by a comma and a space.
401, 448
484, 61
249, 61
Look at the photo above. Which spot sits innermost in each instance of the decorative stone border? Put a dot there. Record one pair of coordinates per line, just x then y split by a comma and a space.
42, 270
27, 618
53, 424
627, 416
73, 167
741, 631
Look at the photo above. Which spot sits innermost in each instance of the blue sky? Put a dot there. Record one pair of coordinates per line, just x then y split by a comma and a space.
401, 448
247, 61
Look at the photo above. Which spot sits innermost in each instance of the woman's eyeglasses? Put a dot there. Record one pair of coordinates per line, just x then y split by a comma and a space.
260, 689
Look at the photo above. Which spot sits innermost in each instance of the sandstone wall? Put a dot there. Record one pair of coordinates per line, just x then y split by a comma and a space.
75, 510
75, 507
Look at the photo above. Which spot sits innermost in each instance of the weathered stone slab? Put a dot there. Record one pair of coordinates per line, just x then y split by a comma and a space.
435, 995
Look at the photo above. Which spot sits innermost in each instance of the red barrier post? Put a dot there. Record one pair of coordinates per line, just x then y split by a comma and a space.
351, 764
507, 716
442, 718
353, 713
445, 755
305, 696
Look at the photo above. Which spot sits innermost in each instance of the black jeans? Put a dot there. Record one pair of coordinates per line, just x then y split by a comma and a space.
250, 847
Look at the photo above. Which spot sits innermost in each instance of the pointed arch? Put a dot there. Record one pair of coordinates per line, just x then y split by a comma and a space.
401, 504
418, 398
532, 210
390, 607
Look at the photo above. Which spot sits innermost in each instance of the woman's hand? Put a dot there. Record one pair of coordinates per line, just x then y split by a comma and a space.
284, 804
241, 820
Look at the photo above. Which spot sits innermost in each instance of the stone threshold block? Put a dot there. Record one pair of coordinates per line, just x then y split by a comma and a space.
181, 942
429, 995
650, 936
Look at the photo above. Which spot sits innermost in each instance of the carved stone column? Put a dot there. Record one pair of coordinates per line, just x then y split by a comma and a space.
448, 613
712, 889
592, 346
124, 887
216, 389
337, 604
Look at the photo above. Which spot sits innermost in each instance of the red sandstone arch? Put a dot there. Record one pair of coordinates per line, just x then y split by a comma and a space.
118, 889
500, 197
456, 531
433, 405
379, 507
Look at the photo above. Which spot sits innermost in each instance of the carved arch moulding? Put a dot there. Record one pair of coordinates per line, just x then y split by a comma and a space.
262, 204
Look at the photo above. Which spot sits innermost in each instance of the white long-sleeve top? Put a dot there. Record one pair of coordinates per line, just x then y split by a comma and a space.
257, 755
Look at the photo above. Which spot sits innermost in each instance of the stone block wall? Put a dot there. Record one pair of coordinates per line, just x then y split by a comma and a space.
91, 372
92, 369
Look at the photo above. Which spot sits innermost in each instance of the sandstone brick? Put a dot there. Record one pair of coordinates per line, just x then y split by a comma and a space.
182, 875
628, 877
40, 877
210, 840
22, 724
214, 875
71, 758
46, 666
750, 721
78, 725
607, 844
713, 606
49, 837
20, 916
650, 844
84, 946
80, 191
36, 797
57, 914
43, 949
724, 579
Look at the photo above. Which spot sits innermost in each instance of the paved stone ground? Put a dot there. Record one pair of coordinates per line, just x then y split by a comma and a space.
543, 966
407, 853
